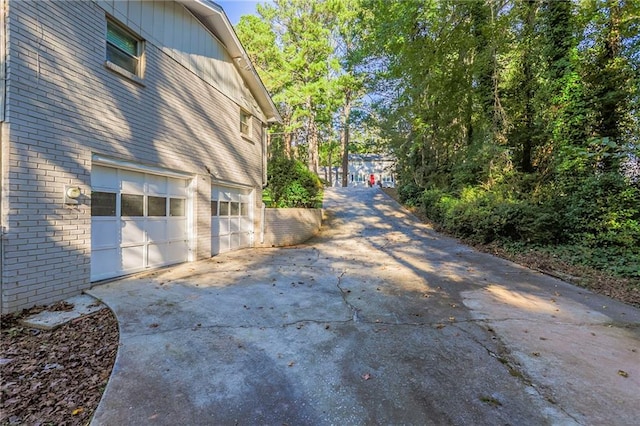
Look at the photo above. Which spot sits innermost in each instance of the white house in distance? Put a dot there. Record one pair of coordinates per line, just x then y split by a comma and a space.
133, 137
362, 167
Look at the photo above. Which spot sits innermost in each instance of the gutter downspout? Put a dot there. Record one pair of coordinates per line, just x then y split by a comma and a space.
262, 225
265, 138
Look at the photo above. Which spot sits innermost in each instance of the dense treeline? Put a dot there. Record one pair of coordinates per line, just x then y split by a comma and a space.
515, 121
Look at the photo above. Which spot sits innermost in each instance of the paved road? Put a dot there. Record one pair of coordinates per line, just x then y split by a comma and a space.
378, 320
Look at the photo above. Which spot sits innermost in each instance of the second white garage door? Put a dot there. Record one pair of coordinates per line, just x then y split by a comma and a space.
231, 218
138, 221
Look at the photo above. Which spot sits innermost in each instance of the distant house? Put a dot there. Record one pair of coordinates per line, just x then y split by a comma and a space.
362, 166
133, 137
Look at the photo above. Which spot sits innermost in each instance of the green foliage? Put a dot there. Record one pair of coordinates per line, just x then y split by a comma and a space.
511, 120
604, 211
291, 184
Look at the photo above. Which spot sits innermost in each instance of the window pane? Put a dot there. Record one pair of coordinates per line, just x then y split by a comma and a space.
122, 60
156, 206
224, 208
123, 41
103, 204
245, 121
132, 205
235, 209
176, 207
244, 209
214, 208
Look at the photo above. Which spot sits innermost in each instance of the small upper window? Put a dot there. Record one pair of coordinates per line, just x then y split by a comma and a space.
245, 123
123, 48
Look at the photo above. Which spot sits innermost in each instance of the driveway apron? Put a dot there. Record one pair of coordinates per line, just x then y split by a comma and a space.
377, 320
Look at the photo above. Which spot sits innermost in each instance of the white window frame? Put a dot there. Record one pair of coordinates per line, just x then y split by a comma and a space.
138, 73
245, 126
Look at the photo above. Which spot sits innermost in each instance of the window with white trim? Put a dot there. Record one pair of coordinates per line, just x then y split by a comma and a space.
124, 48
245, 123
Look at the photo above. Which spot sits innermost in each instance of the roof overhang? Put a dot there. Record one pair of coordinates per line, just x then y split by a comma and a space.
215, 19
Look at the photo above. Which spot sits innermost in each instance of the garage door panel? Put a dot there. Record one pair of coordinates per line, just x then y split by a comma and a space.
157, 255
131, 182
175, 250
156, 230
215, 226
103, 178
225, 226
156, 184
232, 227
133, 258
215, 244
148, 230
245, 239
103, 262
105, 233
177, 229
133, 231
176, 187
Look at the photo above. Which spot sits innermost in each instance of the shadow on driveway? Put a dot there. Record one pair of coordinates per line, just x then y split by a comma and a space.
378, 320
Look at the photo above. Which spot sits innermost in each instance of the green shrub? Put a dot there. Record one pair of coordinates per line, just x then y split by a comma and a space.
409, 194
291, 184
604, 210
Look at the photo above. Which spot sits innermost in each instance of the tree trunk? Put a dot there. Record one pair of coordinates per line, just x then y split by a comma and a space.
344, 140
312, 140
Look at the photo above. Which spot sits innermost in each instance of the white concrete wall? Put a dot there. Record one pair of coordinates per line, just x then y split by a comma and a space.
63, 106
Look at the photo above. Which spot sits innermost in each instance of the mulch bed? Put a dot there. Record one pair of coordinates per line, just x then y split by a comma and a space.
58, 376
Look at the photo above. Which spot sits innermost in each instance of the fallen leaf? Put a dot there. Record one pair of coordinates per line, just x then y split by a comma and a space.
77, 411
623, 373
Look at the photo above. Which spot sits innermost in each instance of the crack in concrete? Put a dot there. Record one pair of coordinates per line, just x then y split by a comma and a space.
516, 370
354, 310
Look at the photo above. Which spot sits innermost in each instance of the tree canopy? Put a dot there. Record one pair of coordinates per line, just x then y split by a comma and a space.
512, 120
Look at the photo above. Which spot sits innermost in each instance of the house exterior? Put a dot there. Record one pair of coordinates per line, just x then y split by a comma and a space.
132, 137
361, 167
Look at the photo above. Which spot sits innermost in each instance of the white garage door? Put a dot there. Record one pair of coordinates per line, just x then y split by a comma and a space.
231, 219
138, 221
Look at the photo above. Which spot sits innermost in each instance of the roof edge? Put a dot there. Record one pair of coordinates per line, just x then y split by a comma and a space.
213, 16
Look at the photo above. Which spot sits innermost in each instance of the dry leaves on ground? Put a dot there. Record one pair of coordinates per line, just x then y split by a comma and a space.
55, 377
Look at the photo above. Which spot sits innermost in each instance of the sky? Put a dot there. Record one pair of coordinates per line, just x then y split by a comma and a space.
236, 8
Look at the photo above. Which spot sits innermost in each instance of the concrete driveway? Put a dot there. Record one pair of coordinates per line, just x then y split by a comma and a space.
378, 320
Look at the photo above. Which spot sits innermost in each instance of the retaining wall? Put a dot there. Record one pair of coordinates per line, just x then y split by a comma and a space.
288, 227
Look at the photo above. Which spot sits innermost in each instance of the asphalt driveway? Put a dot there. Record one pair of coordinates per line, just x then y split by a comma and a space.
378, 320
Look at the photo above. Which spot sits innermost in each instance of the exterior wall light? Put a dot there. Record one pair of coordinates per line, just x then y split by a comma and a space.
71, 194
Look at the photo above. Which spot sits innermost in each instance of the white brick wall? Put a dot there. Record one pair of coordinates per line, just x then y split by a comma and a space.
63, 105
288, 227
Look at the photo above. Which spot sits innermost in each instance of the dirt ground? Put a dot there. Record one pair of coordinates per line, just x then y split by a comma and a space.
55, 377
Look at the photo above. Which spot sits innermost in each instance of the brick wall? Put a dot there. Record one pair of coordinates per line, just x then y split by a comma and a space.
63, 105
288, 227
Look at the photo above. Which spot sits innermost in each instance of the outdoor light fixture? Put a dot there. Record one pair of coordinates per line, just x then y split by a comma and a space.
71, 194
